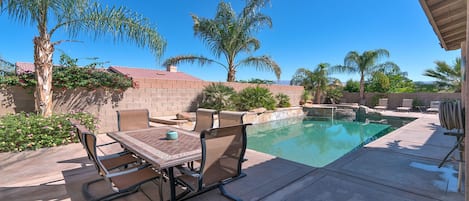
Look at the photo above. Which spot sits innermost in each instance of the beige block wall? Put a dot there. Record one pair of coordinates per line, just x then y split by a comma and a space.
160, 97
395, 99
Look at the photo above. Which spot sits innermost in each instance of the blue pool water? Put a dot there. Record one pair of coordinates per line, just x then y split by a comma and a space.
312, 142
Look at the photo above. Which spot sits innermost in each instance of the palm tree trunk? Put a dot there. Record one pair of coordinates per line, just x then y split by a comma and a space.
231, 71
231, 76
362, 89
318, 96
43, 51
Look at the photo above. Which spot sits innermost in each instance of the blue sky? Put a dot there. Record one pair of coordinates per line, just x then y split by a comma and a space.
304, 34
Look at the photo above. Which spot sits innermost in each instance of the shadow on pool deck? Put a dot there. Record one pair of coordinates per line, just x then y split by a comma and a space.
399, 166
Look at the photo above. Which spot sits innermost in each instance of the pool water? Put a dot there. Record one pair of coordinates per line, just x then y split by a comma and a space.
312, 142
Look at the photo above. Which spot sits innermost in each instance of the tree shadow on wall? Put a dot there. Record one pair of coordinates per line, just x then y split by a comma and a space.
17, 99
80, 100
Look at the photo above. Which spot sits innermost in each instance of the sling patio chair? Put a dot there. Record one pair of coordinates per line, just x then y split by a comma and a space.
122, 182
133, 119
79, 128
75, 123
223, 150
204, 119
406, 105
111, 161
230, 118
382, 104
434, 106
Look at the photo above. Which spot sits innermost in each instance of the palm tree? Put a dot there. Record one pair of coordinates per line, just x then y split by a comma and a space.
447, 76
365, 64
229, 35
75, 16
316, 80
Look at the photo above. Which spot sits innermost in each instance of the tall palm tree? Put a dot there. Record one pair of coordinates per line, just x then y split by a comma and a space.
316, 80
75, 16
448, 77
228, 35
365, 64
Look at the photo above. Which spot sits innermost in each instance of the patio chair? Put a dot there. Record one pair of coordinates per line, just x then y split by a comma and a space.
75, 123
230, 118
204, 119
112, 161
434, 106
406, 105
223, 150
133, 119
122, 182
79, 128
382, 104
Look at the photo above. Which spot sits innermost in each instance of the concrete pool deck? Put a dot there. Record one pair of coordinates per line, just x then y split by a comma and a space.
399, 166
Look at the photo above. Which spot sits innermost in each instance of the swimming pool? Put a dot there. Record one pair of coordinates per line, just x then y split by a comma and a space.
315, 142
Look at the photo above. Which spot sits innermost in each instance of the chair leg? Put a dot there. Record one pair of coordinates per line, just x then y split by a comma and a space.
235, 178
457, 145
226, 194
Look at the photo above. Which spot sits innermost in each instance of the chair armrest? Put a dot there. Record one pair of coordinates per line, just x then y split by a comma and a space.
127, 171
105, 144
114, 155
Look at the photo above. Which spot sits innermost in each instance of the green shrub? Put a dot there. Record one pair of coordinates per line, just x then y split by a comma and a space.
254, 97
256, 81
306, 96
88, 77
334, 94
22, 80
352, 86
283, 100
417, 102
22, 131
217, 96
69, 76
375, 99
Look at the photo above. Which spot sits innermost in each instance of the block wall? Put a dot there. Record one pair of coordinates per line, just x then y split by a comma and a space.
160, 97
395, 99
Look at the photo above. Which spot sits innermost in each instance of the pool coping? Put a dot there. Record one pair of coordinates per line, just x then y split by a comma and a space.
387, 159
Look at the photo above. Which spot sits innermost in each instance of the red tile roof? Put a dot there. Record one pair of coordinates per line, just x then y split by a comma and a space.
22, 67
150, 73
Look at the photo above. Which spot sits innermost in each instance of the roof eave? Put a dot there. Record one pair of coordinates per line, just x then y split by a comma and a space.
448, 20
429, 15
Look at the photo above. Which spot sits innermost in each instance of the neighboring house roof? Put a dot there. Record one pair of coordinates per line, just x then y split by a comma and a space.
448, 19
22, 67
150, 73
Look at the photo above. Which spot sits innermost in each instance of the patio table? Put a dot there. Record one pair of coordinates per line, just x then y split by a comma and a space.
151, 145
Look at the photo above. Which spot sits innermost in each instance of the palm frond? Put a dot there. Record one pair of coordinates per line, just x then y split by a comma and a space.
24, 11
263, 63
253, 5
342, 69
303, 77
191, 59
255, 22
447, 77
386, 67
352, 61
122, 23
208, 31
